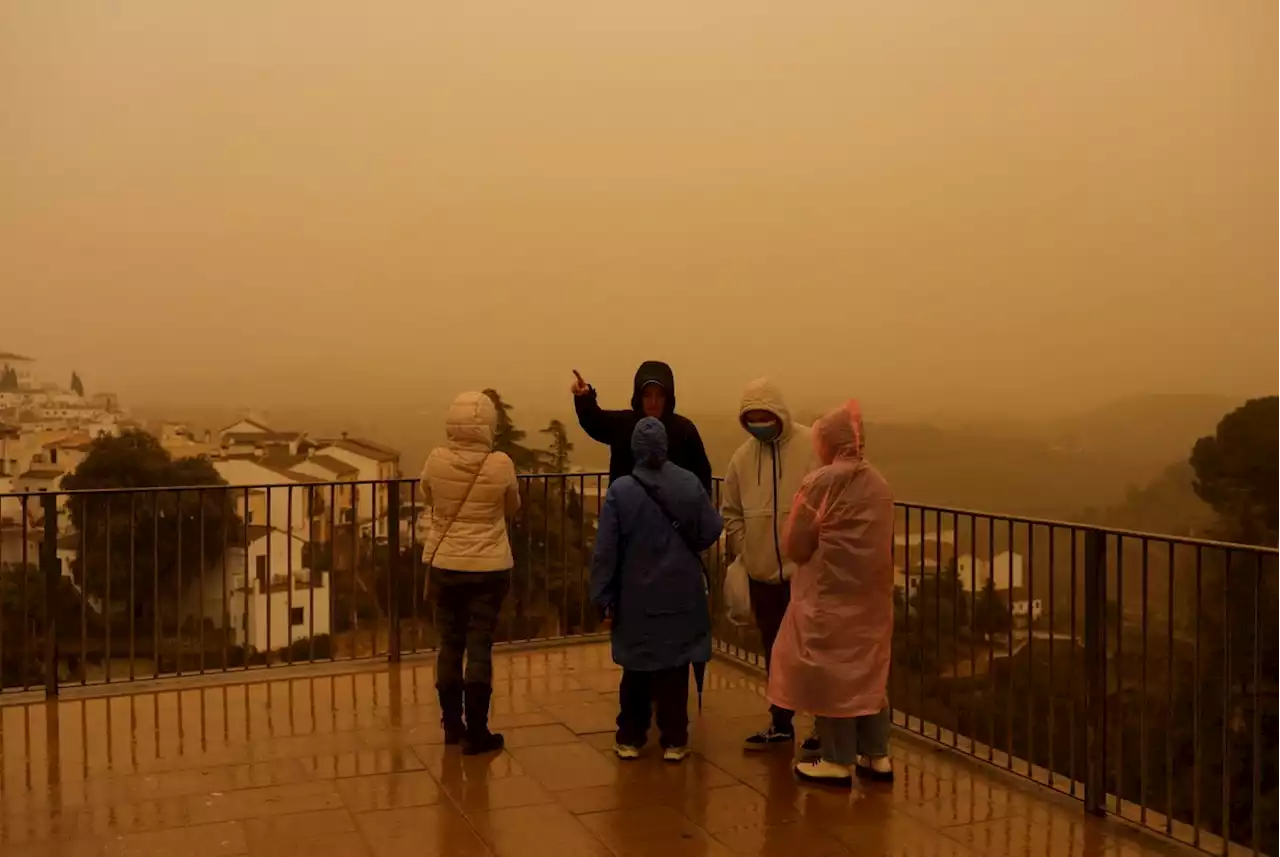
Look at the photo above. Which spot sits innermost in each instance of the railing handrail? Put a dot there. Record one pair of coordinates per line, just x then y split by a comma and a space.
1189, 541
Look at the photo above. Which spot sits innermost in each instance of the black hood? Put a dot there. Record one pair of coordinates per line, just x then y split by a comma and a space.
654, 372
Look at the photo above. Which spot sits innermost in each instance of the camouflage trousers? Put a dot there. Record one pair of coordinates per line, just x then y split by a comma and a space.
467, 604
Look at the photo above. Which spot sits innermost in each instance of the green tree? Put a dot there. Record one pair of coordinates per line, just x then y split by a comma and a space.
1236, 471
556, 456
507, 437
8, 379
138, 550
77, 386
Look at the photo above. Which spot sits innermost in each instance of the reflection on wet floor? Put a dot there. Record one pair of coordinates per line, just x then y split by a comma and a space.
352, 764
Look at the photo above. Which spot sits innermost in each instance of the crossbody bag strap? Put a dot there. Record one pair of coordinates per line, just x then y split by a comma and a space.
456, 512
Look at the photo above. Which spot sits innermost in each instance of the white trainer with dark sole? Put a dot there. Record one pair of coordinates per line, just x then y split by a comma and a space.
824, 773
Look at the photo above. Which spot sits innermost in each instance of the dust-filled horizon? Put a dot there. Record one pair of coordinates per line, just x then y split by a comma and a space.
1008, 211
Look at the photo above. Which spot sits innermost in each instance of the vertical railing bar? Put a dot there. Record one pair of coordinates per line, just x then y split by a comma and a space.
288, 570
991, 639
393, 578
177, 517
25, 595
1169, 703
1142, 712
106, 602
156, 612
266, 577
1195, 706
528, 537
922, 619
415, 565
1119, 708
906, 606
133, 592
373, 550
937, 617
1071, 664
546, 539
1228, 687
22, 512
564, 555
49, 579
1256, 751
84, 591
333, 568
584, 561
1095, 637
1008, 714
973, 629
1031, 639
957, 595
1053, 694
246, 621
224, 619
311, 575
355, 569
200, 499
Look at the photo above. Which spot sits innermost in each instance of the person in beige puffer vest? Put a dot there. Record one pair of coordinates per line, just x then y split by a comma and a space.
470, 491
764, 475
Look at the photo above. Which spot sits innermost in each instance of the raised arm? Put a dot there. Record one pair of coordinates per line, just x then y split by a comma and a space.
604, 561
800, 533
595, 420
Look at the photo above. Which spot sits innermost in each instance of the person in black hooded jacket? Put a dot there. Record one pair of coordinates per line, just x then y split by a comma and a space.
653, 395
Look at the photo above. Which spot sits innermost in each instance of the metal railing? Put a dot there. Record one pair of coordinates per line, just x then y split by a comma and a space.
1136, 673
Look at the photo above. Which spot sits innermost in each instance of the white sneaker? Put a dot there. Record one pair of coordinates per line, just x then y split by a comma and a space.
626, 752
824, 772
878, 769
676, 754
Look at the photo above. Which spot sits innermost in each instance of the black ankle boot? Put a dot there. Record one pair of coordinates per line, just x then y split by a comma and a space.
450, 694
478, 738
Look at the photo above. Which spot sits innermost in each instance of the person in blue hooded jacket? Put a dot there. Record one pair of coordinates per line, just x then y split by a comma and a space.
647, 578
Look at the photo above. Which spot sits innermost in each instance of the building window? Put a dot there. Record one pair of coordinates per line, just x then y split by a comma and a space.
296, 617
261, 568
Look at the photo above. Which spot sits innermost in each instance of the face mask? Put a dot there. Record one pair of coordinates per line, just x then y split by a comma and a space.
764, 432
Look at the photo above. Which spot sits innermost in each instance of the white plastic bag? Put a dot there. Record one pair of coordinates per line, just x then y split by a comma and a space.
737, 593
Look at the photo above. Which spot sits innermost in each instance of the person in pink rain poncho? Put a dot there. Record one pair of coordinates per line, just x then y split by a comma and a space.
832, 654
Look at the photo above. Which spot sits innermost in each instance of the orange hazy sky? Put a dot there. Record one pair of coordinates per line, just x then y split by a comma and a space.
990, 205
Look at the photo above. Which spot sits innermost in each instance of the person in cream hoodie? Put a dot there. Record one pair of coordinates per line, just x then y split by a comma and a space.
764, 474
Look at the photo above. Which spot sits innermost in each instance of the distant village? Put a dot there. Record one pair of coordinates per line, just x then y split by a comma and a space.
47, 431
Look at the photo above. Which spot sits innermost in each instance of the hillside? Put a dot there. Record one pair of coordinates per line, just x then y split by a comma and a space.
1095, 460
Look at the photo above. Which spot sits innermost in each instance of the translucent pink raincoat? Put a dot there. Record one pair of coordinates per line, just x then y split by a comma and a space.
831, 657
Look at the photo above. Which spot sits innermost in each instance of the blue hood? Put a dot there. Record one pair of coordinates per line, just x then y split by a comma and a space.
649, 443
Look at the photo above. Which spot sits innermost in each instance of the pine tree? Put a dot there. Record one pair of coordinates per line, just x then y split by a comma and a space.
507, 437
557, 455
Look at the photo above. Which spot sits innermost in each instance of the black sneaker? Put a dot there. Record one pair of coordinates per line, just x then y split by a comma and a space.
769, 738
811, 748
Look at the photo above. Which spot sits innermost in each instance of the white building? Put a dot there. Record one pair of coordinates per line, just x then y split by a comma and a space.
279, 601
1024, 610
374, 463
283, 492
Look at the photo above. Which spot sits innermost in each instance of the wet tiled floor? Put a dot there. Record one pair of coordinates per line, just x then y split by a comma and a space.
351, 764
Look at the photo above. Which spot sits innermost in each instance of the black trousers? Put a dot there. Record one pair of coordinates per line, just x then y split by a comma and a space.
640, 693
769, 602
467, 604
